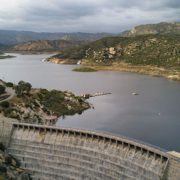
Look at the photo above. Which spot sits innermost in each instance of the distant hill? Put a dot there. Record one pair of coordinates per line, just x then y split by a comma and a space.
15, 37
160, 28
46, 45
155, 50
3, 47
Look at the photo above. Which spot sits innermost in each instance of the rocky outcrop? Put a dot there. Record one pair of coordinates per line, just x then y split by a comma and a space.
10, 167
159, 51
61, 61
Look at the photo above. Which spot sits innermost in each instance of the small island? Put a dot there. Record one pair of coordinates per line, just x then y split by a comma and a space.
84, 69
38, 106
4, 56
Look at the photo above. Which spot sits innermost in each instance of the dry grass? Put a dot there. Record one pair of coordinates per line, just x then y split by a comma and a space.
149, 70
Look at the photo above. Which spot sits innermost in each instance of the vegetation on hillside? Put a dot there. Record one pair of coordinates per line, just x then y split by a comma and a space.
2, 89
11, 37
155, 50
23, 88
40, 106
47, 45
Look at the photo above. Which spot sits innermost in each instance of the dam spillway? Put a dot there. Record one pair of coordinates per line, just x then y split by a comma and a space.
57, 153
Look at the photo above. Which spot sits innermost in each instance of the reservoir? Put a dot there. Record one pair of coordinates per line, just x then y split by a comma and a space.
153, 116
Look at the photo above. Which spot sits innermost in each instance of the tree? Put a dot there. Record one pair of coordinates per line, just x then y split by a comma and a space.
2, 89
23, 88
5, 104
9, 84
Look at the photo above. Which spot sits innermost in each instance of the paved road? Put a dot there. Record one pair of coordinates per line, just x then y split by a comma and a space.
9, 91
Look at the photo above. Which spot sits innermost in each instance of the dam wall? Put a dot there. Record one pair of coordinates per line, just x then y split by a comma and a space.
173, 168
57, 153
5, 129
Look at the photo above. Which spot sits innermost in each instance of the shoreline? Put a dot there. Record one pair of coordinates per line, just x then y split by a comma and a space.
125, 67
118, 67
146, 70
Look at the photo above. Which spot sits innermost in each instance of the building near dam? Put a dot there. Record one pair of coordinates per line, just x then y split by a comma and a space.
50, 153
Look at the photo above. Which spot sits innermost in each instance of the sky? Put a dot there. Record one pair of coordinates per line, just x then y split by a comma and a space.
93, 16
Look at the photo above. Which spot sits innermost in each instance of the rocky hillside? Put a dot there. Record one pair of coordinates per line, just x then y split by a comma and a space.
46, 45
155, 50
160, 28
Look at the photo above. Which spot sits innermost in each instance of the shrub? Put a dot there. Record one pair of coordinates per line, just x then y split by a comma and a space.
5, 104
2, 89
23, 88
2, 147
9, 84
84, 69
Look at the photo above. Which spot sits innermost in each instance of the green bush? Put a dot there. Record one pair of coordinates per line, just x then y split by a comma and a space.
2, 89
23, 88
9, 84
84, 69
2, 147
5, 104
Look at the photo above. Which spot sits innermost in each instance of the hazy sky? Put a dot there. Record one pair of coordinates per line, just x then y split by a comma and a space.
85, 15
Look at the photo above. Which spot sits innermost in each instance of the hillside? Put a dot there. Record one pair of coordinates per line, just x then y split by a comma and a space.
160, 28
158, 51
46, 45
2, 47
14, 37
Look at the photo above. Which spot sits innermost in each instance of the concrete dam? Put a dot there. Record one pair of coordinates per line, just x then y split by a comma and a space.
50, 153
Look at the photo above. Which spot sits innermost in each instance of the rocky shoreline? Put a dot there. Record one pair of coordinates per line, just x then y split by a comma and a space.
61, 61
147, 70
126, 67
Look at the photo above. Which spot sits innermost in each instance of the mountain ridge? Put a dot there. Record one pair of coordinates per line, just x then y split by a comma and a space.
159, 28
12, 37
46, 45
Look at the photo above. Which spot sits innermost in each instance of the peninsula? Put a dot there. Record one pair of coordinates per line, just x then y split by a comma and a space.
4, 56
38, 106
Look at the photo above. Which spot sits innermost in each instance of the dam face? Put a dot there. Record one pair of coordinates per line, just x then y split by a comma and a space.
53, 153
5, 129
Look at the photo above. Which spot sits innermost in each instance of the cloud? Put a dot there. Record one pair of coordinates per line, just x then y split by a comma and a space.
85, 15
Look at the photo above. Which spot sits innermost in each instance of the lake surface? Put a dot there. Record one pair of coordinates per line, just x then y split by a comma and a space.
153, 116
